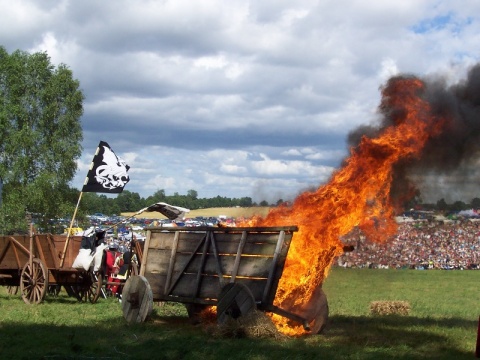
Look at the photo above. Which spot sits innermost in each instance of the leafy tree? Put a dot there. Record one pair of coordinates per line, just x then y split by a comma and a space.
459, 205
158, 196
245, 202
475, 203
192, 194
40, 136
442, 205
130, 201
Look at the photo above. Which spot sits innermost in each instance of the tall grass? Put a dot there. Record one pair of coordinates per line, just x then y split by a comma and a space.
442, 324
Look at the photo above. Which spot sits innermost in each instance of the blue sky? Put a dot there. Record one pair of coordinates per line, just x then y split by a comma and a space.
238, 98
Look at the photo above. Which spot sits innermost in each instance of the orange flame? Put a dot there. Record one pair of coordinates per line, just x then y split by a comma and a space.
358, 194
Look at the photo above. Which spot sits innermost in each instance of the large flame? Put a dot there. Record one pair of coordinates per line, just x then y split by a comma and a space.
358, 194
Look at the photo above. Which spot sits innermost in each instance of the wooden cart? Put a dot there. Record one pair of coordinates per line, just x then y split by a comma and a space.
35, 264
235, 269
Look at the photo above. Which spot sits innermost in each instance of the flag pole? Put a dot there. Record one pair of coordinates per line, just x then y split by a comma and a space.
70, 230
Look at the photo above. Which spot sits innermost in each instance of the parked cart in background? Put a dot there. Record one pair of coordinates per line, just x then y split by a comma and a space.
39, 262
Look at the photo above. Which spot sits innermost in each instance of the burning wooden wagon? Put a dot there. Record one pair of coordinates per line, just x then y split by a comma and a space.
235, 269
39, 262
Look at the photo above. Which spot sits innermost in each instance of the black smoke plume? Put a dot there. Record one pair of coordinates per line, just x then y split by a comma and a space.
448, 161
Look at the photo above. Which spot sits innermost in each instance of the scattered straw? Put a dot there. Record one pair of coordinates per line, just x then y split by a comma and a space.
256, 324
389, 308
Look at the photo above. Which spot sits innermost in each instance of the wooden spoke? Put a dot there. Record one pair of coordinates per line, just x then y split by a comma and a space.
12, 290
34, 282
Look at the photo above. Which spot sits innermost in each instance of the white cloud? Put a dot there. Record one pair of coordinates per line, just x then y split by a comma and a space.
167, 82
292, 152
232, 169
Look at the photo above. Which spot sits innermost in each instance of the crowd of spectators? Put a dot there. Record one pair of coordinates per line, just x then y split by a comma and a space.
418, 245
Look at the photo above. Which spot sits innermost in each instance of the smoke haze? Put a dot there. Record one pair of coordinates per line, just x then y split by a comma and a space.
450, 159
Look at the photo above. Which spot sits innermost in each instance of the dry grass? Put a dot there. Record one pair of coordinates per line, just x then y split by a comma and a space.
390, 308
256, 324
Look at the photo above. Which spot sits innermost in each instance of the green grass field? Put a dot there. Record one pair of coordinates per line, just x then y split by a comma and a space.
442, 324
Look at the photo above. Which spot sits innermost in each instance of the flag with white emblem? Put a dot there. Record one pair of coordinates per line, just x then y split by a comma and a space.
108, 173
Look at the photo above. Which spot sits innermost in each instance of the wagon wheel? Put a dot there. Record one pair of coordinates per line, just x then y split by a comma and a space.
137, 299
319, 319
95, 287
235, 300
34, 282
89, 287
54, 290
12, 290
77, 290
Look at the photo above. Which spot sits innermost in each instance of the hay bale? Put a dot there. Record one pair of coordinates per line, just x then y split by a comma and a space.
255, 324
390, 308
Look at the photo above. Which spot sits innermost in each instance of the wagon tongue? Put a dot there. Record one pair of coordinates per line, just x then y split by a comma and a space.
359, 194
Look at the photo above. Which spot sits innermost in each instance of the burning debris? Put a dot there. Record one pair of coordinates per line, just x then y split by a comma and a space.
425, 126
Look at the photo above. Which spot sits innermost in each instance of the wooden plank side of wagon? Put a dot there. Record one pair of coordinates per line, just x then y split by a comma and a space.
71, 251
186, 263
15, 252
208, 291
43, 250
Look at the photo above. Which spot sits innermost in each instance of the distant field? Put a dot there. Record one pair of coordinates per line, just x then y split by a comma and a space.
212, 212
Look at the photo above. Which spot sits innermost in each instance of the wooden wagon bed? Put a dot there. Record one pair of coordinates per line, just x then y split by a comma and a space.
233, 268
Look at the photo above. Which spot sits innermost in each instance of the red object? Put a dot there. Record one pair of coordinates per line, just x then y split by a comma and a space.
111, 257
477, 349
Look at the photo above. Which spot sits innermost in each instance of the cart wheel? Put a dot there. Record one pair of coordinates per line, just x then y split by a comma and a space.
320, 317
70, 290
34, 282
12, 290
89, 287
54, 290
235, 300
95, 288
137, 299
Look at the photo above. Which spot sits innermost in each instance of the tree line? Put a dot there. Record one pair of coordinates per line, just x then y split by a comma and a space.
128, 201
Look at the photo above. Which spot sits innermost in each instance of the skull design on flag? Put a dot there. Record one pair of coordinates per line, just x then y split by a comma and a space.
113, 174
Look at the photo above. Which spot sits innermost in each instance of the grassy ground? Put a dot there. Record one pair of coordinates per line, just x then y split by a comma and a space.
442, 325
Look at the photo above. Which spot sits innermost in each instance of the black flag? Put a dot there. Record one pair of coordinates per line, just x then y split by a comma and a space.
108, 173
